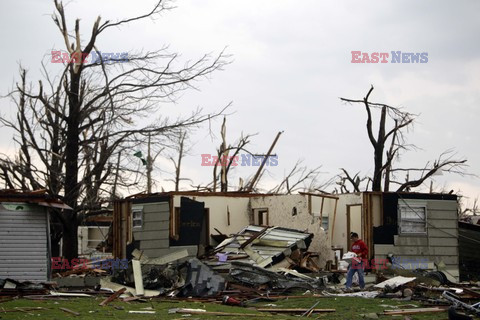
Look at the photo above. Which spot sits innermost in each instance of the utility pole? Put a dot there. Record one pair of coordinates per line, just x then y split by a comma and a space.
254, 180
149, 167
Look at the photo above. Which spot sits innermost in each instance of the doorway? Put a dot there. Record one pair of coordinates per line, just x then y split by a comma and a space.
354, 221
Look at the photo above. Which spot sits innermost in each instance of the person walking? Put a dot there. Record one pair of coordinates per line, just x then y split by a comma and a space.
361, 250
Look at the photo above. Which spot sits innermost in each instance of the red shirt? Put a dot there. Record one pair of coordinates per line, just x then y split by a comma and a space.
360, 249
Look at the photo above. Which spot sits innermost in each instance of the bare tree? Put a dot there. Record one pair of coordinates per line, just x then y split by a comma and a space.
74, 131
299, 178
465, 213
388, 143
227, 157
354, 181
177, 163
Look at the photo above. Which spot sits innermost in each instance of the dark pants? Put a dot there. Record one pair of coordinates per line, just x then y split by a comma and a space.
355, 267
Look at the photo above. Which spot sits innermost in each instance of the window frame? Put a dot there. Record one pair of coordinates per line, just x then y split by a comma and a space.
261, 216
137, 209
174, 228
412, 205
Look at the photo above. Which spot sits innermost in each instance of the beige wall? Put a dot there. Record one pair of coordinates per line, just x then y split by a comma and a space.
339, 236
280, 214
218, 207
280, 209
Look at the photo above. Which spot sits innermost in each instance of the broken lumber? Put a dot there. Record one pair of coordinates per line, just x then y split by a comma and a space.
413, 311
70, 311
112, 297
128, 299
294, 310
215, 313
310, 311
23, 309
253, 237
68, 294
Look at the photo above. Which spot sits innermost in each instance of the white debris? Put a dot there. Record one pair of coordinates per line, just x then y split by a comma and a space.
394, 282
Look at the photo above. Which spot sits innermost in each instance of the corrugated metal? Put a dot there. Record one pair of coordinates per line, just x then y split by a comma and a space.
287, 240
24, 244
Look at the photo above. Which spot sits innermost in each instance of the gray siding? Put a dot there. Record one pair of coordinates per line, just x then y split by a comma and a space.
24, 244
439, 244
154, 233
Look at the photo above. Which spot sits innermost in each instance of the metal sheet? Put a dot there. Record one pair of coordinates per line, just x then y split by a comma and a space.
24, 250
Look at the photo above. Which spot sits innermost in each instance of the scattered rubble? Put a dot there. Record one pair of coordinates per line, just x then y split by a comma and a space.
256, 264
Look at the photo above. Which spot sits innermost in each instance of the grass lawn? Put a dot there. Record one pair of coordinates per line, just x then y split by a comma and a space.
346, 308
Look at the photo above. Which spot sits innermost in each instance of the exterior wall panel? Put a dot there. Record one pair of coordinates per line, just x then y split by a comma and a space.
24, 243
154, 233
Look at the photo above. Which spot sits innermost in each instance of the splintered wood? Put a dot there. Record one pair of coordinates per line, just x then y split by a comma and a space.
112, 297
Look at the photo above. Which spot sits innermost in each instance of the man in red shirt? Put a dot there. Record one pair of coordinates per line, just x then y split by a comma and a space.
358, 247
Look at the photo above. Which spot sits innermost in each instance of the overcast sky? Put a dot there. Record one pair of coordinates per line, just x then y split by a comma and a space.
291, 63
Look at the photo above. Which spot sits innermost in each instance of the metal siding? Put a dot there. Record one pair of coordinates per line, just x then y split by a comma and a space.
439, 244
24, 245
154, 234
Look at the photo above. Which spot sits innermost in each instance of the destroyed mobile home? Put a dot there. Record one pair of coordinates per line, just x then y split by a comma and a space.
183, 245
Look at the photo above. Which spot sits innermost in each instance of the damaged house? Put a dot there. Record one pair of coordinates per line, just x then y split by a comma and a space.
162, 223
410, 226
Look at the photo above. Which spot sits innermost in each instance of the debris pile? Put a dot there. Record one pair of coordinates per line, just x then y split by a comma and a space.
266, 246
255, 264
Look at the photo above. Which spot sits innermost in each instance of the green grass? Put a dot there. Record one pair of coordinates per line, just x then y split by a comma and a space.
346, 308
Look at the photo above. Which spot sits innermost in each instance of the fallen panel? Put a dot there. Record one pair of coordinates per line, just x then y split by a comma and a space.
201, 280
394, 282
264, 246
106, 284
137, 274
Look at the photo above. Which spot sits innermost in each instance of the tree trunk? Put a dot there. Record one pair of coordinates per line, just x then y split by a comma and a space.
70, 238
70, 248
378, 153
377, 177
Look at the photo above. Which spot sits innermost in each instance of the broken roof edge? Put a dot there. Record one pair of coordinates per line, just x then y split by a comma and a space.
204, 194
233, 194
39, 197
414, 195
